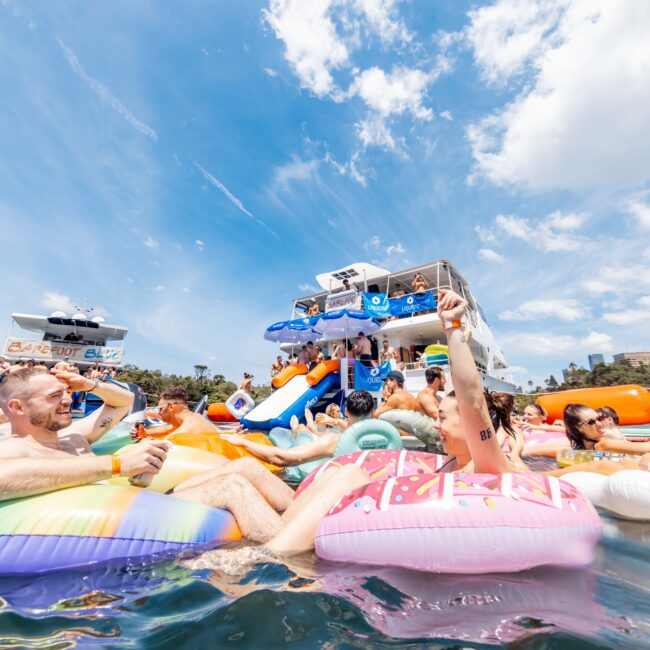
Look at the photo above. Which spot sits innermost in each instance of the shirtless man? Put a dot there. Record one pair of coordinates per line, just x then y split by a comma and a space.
175, 413
387, 353
427, 398
398, 291
398, 398
358, 406
47, 451
277, 366
363, 350
339, 350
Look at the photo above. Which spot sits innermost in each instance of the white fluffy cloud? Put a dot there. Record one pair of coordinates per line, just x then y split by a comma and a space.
581, 118
631, 316
395, 249
199, 244
641, 211
565, 309
402, 90
489, 255
296, 170
619, 279
313, 47
552, 234
557, 346
57, 301
320, 39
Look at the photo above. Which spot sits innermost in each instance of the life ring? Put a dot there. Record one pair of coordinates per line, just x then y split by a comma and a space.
625, 494
382, 464
240, 403
368, 434
417, 424
567, 457
462, 523
97, 524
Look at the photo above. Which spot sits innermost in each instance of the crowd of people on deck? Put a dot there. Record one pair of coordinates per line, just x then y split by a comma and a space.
46, 450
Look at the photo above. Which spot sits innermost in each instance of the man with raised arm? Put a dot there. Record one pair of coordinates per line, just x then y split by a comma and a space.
46, 451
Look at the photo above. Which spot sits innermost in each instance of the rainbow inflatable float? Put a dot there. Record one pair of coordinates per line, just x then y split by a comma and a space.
99, 524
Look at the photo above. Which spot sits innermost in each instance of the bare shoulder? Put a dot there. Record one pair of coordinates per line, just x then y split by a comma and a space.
196, 423
15, 448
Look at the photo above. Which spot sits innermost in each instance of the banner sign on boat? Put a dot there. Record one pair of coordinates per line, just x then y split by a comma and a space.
370, 379
411, 303
376, 304
343, 300
60, 350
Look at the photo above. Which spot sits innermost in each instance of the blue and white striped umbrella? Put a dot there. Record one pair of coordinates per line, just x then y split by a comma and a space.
344, 323
297, 331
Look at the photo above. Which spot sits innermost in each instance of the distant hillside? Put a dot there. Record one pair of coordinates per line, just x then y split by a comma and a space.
154, 382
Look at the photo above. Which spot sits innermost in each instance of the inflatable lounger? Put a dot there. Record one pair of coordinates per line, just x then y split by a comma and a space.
417, 424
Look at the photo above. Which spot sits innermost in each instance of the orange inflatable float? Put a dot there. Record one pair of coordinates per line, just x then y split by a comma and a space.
288, 373
322, 369
631, 402
217, 445
218, 412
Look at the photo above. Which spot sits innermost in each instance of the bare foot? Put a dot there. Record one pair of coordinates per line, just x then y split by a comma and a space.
294, 423
311, 425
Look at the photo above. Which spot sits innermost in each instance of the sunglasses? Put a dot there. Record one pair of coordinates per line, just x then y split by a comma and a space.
592, 421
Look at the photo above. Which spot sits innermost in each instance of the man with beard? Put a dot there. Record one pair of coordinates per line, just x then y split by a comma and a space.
46, 451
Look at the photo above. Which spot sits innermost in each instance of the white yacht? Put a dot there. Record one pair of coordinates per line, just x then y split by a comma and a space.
79, 339
410, 335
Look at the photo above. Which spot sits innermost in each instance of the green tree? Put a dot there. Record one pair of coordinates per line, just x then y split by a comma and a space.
201, 372
551, 382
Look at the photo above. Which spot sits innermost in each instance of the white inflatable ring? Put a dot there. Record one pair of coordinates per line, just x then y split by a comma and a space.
239, 404
627, 494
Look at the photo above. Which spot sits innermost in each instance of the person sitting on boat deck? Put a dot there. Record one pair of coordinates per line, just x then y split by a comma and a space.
347, 286
277, 366
398, 291
247, 383
428, 398
313, 309
363, 350
174, 411
395, 395
387, 353
359, 406
420, 284
46, 451
339, 350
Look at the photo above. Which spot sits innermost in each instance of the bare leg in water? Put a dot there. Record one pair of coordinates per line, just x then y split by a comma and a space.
304, 515
257, 520
277, 493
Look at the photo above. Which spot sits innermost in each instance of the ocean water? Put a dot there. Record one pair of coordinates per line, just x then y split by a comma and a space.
216, 602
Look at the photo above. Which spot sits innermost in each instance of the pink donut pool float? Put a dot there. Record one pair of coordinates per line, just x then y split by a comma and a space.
382, 464
462, 523
534, 436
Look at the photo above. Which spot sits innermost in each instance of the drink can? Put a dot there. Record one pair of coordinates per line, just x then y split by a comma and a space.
144, 480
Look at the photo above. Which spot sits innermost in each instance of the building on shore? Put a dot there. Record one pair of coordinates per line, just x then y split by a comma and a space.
635, 358
595, 359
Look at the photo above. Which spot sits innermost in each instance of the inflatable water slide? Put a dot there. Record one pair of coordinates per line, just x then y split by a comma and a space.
295, 390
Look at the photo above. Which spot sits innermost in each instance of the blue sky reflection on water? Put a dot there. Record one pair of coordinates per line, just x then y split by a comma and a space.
189, 168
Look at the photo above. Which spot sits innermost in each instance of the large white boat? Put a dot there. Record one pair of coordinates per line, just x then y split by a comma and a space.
350, 296
78, 339
410, 335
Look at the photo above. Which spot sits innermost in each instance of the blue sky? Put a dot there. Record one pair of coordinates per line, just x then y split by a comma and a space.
190, 167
